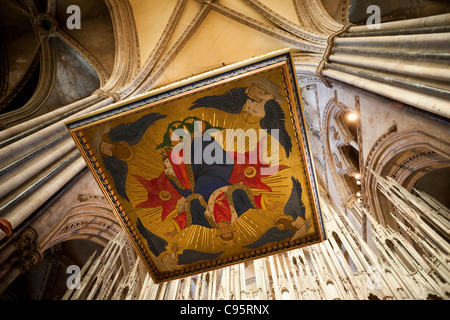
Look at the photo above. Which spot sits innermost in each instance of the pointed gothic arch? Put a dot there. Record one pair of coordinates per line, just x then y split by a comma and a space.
406, 157
341, 148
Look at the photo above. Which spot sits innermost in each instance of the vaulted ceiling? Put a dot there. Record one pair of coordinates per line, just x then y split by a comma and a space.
45, 65
128, 47
183, 38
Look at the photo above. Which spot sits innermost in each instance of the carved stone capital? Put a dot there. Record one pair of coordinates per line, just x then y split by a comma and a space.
106, 94
28, 249
29, 259
26, 254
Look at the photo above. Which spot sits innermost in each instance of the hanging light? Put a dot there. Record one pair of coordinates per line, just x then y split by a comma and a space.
352, 116
357, 176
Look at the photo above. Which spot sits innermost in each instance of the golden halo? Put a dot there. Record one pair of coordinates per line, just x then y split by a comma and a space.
283, 217
126, 155
248, 118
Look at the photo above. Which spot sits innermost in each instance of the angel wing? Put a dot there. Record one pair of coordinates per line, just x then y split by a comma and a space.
132, 132
274, 119
156, 244
118, 170
294, 206
231, 101
190, 256
272, 235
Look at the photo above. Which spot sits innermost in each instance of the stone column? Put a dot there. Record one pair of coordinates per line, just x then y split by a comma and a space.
403, 60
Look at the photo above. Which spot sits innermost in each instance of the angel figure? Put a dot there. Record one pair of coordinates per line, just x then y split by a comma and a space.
251, 102
117, 148
172, 254
227, 234
292, 225
224, 207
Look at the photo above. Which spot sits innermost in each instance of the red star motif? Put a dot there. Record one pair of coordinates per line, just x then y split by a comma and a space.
250, 173
160, 193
